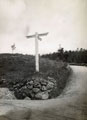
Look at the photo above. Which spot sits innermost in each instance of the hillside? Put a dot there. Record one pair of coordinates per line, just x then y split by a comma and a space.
17, 71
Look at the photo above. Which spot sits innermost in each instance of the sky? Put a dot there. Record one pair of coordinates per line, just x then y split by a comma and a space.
65, 20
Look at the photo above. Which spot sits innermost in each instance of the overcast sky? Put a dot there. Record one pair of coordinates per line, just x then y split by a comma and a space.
65, 20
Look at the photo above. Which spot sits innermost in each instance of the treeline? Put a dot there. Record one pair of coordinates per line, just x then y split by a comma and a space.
76, 56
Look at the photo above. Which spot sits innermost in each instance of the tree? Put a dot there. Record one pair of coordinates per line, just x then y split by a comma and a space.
61, 53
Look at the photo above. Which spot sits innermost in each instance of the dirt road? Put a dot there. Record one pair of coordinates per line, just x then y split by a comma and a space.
70, 105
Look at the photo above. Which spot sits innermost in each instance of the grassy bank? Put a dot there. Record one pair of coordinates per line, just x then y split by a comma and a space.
18, 69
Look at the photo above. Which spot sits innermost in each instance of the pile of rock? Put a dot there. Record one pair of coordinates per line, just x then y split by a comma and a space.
35, 88
6, 94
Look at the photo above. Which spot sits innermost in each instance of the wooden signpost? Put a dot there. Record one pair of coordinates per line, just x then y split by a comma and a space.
37, 37
13, 47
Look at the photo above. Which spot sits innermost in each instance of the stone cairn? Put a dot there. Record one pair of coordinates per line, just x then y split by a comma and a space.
35, 88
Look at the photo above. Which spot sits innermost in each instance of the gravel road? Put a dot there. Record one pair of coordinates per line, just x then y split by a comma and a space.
70, 105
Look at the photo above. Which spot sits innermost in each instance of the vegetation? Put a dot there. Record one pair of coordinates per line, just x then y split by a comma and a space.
78, 56
17, 70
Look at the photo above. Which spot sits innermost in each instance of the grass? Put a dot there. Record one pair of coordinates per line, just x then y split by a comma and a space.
17, 68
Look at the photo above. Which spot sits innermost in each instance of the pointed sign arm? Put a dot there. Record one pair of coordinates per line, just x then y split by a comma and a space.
30, 36
43, 34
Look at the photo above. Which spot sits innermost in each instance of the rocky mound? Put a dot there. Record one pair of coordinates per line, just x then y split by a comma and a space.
36, 87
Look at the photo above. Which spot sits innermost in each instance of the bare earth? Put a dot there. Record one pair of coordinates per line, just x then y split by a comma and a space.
70, 105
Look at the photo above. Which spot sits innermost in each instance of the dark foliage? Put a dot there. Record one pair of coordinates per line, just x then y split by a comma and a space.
77, 56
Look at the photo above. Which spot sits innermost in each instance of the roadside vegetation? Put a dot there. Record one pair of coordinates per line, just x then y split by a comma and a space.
17, 72
75, 57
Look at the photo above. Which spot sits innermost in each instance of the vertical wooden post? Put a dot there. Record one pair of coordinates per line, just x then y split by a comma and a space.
37, 37
36, 53
12, 51
13, 48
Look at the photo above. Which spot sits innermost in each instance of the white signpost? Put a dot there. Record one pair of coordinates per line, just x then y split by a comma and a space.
37, 37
